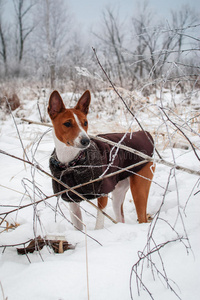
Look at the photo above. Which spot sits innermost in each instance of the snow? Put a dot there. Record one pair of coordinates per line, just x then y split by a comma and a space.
114, 250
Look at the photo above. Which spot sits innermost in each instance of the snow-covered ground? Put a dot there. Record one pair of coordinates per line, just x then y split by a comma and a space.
105, 256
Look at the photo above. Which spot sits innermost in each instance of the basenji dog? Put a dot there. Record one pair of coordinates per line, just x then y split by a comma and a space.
79, 159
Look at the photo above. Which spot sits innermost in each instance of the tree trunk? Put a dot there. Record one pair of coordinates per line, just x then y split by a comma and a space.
52, 76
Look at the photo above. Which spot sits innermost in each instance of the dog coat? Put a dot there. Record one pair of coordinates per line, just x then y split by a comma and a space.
97, 160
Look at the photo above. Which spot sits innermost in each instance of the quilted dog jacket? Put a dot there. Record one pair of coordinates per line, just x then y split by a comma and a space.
100, 159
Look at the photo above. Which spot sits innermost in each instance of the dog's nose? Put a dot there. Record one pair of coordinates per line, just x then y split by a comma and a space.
85, 141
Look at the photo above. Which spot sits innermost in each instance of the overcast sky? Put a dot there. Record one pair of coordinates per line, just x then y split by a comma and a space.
88, 12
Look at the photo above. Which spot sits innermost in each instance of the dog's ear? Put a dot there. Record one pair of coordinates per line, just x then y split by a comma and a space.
56, 105
84, 102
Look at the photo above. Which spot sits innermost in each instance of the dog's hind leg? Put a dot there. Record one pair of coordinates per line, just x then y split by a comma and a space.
140, 186
118, 196
102, 202
76, 216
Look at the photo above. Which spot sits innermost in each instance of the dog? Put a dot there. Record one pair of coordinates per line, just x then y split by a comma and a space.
77, 159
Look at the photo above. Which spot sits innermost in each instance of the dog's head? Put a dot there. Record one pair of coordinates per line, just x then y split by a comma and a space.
70, 125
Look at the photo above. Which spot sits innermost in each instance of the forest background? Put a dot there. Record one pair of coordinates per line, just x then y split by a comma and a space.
43, 45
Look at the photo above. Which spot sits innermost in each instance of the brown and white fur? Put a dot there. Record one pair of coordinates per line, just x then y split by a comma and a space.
70, 137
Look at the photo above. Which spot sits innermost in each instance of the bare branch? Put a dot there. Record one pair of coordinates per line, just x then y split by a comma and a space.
146, 157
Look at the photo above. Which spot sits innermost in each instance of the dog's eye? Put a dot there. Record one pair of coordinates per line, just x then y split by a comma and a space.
68, 124
85, 123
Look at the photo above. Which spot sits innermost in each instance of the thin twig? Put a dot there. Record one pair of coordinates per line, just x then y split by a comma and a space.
146, 256
168, 118
3, 295
37, 123
118, 94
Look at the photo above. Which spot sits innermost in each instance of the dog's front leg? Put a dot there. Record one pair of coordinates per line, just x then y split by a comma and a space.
76, 216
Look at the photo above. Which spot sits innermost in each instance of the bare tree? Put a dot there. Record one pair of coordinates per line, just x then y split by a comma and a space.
151, 41
143, 52
24, 26
54, 23
113, 39
79, 55
182, 21
158, 42
3, 44
140, 38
